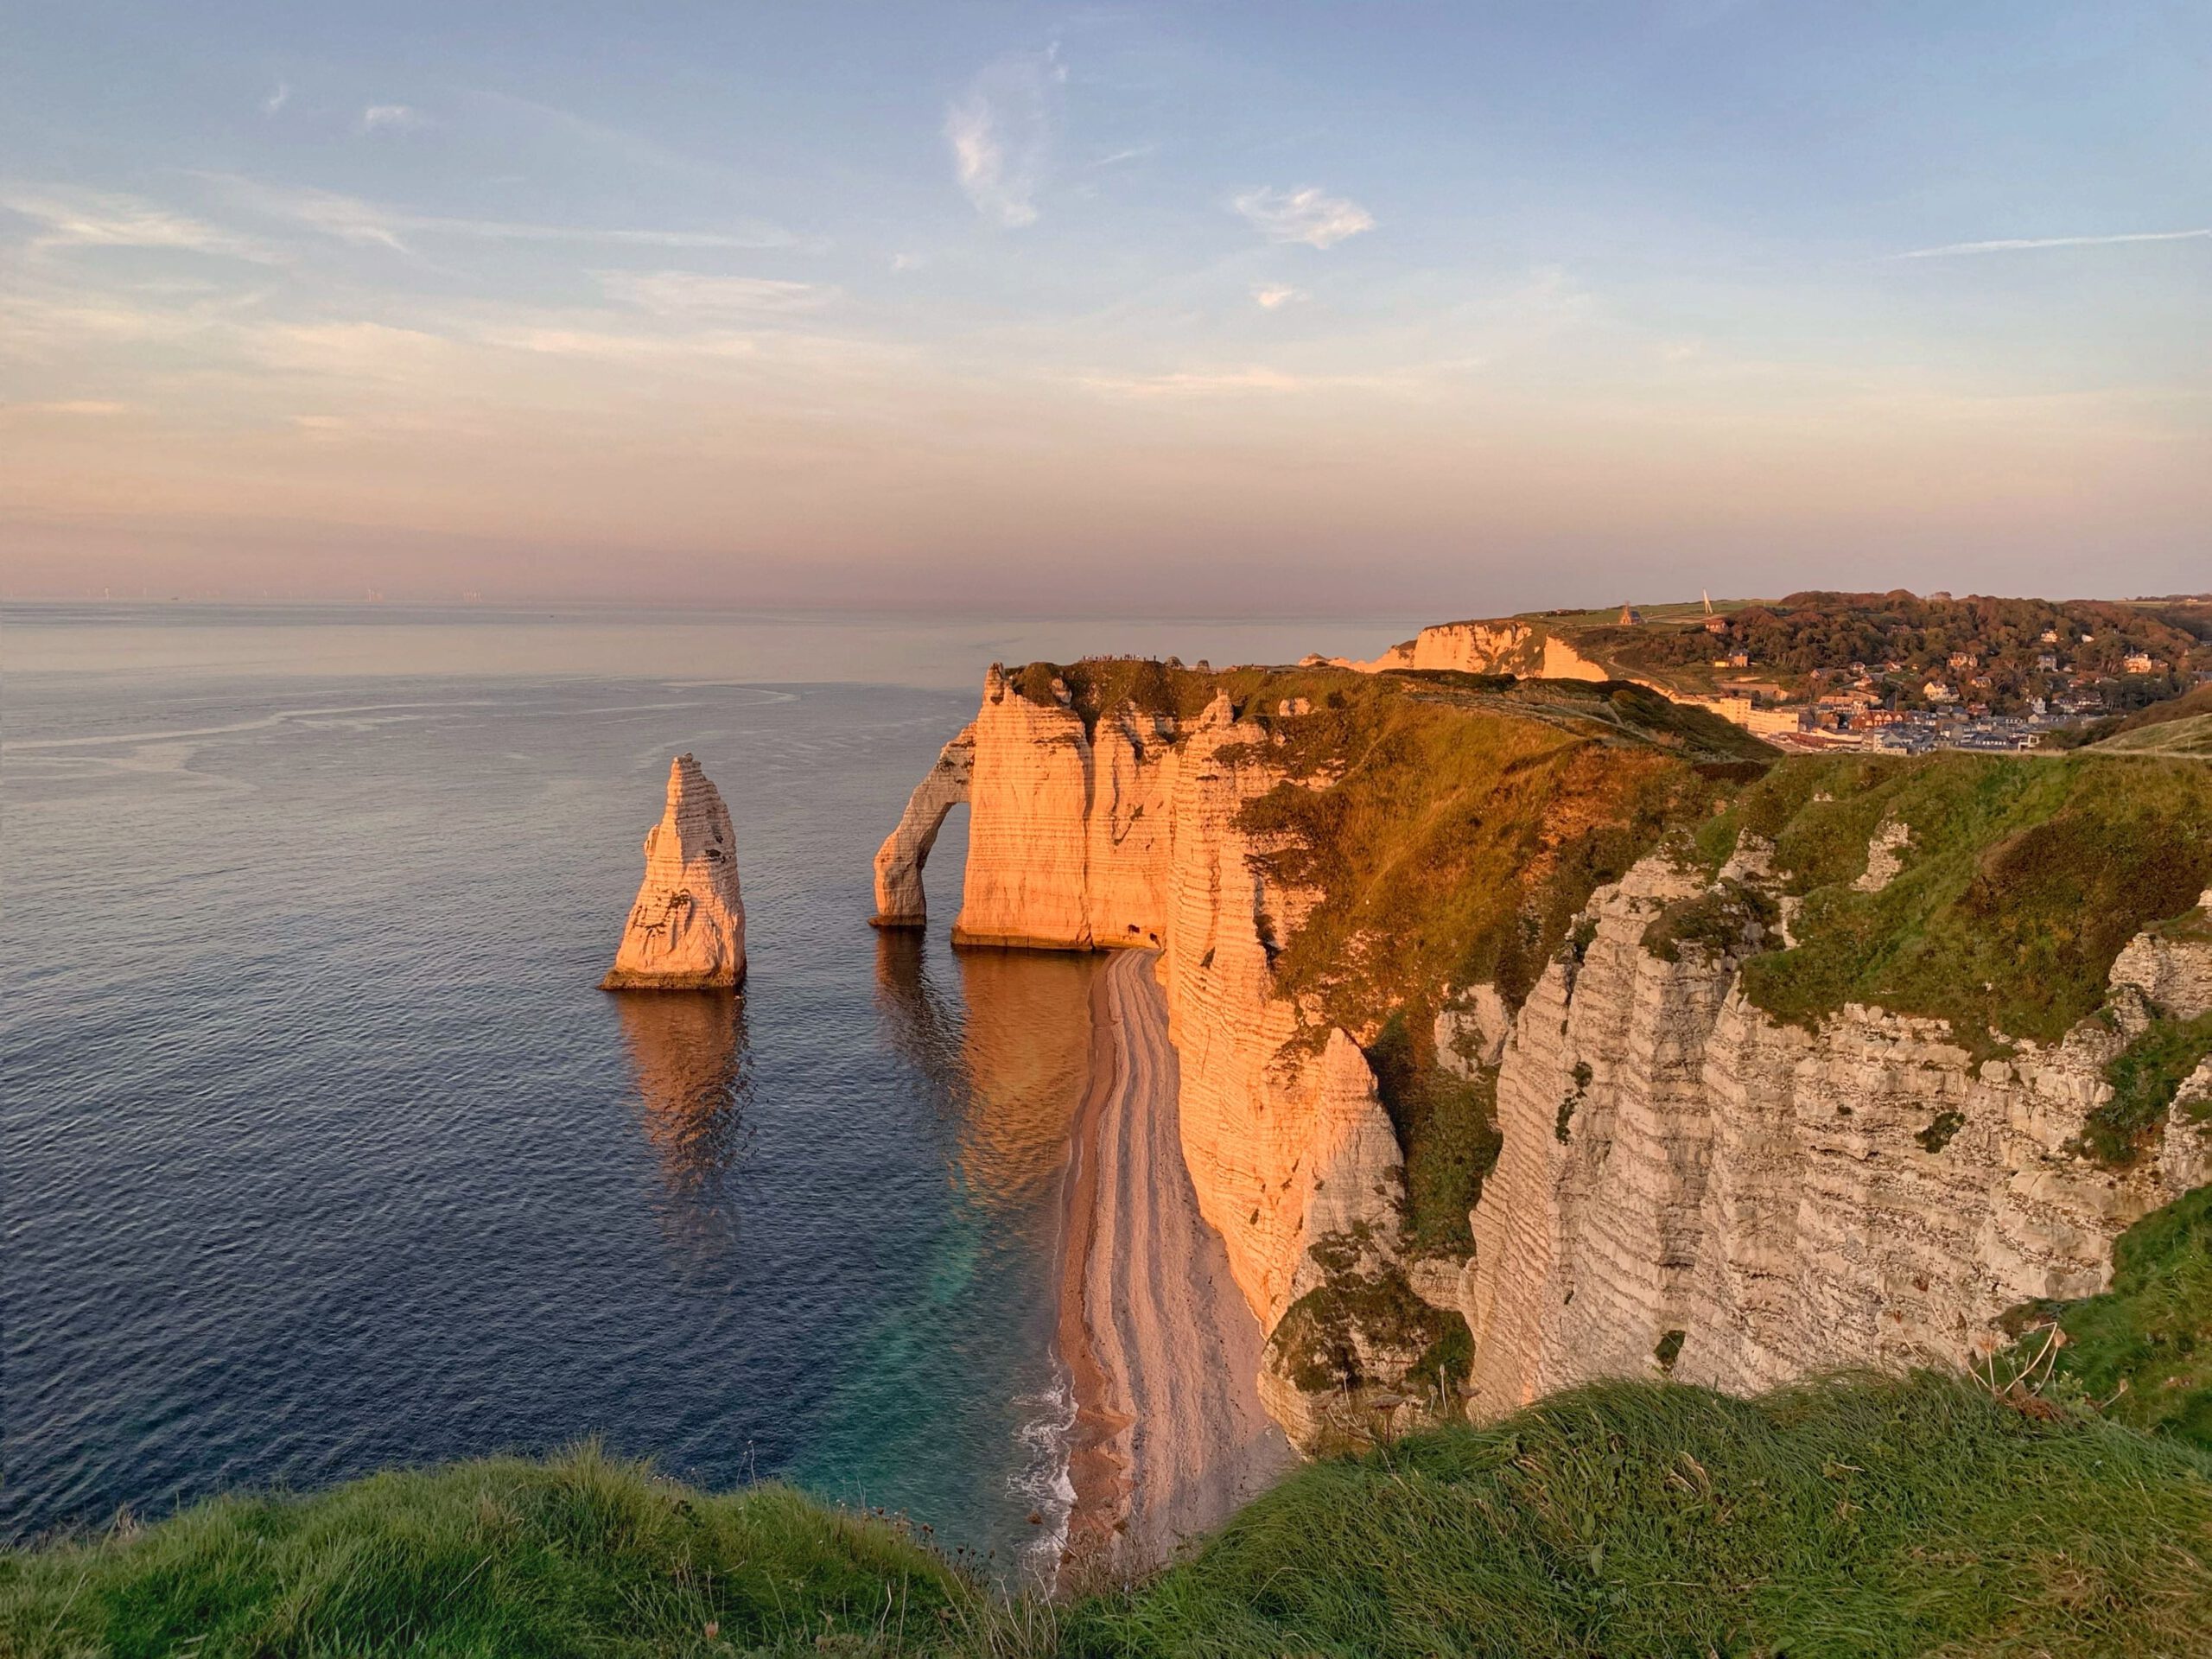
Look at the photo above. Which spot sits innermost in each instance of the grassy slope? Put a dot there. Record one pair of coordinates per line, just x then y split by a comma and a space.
2182, 723
1875, 1518
502, 1556
2024, 879
1871, 1517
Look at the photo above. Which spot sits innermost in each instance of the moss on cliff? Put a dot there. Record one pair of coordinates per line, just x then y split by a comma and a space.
1447, 1126
2145, 1077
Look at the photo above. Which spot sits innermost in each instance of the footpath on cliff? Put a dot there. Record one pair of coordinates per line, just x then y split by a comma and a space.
1171, 1436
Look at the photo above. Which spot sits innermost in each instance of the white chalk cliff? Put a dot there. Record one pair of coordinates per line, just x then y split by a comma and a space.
1125, 835
1685, 1183
1504, 646
686, 930
1689, 1186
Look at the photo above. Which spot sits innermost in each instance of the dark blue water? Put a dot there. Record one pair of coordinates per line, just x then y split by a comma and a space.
322, 1152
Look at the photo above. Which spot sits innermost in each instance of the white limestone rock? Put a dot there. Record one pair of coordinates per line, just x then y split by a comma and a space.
899, 861
686, 930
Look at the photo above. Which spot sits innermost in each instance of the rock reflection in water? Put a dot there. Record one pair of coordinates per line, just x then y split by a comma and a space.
688, 1052
1006, 1064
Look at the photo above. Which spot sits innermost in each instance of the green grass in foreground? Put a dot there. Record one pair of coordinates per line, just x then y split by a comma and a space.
1876, 1516
578, 1554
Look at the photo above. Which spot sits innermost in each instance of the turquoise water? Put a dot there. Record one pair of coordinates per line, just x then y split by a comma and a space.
323, 1153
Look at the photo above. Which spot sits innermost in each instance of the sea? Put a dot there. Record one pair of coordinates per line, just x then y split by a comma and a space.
320, 1151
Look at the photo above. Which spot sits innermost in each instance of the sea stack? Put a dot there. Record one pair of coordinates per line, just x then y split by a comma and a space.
687, 930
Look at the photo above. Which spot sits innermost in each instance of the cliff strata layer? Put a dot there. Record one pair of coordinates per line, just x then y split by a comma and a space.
1689, 1186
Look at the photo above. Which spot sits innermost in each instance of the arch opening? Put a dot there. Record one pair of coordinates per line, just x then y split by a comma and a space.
901, 900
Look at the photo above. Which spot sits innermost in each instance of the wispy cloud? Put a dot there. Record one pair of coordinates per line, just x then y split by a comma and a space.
1000, 133
1306, 215
90, 218
277, 99
1270, 296
393, 118
350, 218
2025, 244
91, 408
692, 293
1216, 383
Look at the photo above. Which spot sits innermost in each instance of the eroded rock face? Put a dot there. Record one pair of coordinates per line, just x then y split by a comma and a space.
1125, 834
686, 930
1688, 1185
899, 861
1505, 646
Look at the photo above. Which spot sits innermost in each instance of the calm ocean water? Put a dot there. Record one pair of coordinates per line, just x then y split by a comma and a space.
322, 1152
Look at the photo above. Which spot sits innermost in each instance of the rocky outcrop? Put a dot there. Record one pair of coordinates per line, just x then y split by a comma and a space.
906, 851
686, 930
1688, 1187
1505, 646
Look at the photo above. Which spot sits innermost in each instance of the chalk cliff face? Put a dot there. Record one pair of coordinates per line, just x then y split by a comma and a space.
686, 930
1688, 1185
1125, 834
1502, 647
899, 861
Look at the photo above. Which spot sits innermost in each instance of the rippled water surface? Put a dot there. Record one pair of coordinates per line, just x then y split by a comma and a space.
322, 1152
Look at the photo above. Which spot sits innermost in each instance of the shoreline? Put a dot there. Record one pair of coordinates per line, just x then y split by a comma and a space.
1162, 1352
1100, 1477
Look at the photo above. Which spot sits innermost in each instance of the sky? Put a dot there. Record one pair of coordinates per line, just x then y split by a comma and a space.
1232, 309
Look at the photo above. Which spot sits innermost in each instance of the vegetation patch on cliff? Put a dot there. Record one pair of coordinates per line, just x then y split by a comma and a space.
2141, 1353
2022, 880
1366, 1328
1731, 919
1447, 1126
2145, 1077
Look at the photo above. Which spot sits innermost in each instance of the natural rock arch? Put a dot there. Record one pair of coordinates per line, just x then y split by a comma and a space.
899, 861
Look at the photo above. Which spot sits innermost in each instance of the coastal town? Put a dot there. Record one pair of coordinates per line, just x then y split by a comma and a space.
1973, 673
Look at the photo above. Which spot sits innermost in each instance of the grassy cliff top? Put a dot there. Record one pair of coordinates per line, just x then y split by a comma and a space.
1878, 1517
2022, 877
